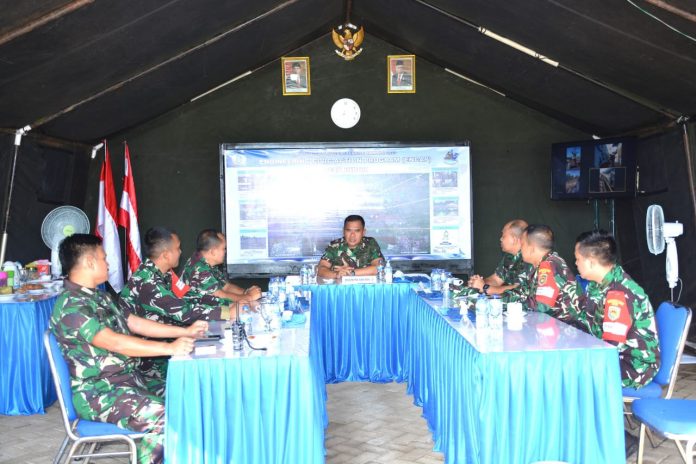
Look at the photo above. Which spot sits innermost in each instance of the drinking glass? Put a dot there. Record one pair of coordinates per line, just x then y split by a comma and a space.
267, 311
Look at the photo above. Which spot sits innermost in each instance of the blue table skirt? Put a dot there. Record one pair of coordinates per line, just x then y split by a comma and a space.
255, 410
26, 386
513, 407
360, 330
481, 408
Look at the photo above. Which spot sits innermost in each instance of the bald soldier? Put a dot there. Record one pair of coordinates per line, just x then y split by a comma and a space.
99, 342
552, 287
511, 276
203, 274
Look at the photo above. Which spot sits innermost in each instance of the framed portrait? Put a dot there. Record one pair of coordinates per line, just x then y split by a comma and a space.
295, 70
401, 74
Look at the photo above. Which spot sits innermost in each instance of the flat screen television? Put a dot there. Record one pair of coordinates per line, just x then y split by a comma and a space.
283, 203
604, 168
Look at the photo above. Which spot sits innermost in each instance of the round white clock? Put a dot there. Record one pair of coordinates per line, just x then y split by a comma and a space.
345, 113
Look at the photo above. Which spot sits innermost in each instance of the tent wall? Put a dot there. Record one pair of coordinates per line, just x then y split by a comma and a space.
663, 181
176, 162
45, 178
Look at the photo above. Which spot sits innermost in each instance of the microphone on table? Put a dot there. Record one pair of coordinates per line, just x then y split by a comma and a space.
239, 335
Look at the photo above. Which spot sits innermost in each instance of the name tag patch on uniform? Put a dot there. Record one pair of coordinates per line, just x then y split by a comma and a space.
547, 288
178, 286
617, 317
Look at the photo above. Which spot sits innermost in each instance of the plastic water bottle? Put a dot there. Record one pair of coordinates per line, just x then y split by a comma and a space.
446, 300
273, 288
303, 275
495, 319
281, 292
482, 312
380, 273
388, 274
435, 284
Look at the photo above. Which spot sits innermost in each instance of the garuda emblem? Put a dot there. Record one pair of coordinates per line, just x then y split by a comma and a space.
348, 38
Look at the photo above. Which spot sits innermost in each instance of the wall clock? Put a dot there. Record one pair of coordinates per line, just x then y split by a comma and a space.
345, 113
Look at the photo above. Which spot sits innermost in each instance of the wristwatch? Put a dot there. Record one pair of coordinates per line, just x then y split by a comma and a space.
485, 289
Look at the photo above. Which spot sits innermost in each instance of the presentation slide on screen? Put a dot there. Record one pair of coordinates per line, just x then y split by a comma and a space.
289, 203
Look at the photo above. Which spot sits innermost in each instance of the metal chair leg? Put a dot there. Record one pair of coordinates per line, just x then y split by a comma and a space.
680, 447
61, 451
90, 452
133, 452
641, 444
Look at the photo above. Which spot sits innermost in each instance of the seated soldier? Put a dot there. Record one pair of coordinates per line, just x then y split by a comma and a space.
512, 274
354, 254
552, 287
616, 309
203, 274
98, 343
154, 292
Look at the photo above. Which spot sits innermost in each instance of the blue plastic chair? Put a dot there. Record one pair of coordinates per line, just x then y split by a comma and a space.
79, 431
672, 327
674, 419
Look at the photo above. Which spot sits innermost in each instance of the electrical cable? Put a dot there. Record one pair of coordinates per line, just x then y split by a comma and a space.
664, 23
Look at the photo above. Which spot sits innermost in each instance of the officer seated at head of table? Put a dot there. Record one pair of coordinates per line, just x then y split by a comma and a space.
203, 274
615, 308
551, 286
354, 254
512, 273
99, 342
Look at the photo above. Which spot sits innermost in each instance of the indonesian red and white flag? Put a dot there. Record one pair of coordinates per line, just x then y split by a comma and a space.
128, 217
106, 227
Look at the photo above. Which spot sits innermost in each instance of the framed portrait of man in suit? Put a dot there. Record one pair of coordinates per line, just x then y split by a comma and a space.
295, 70
401, 74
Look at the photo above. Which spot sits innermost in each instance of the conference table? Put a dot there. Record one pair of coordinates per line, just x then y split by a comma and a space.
26, 386
542, 391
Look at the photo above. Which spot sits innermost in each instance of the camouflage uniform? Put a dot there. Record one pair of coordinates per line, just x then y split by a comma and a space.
149, 294
553, 290
338, 253
511, 270
204, 280
619, 312
106, 386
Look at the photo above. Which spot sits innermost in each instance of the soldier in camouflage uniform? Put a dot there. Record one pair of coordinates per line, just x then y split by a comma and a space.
616, 309
552, 286
354, 254
97, 340
511, 276
203, 274
152, 293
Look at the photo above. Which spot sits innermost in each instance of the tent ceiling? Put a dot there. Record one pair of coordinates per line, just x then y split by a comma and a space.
83, 69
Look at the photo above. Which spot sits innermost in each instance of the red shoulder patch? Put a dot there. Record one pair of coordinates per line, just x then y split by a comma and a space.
178, 286
617, 317
547, 288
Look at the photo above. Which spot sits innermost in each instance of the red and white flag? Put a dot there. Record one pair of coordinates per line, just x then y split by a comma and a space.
128, 217
106, 227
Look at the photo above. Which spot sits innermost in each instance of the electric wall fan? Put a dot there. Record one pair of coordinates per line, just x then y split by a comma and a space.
58, 224
660, 233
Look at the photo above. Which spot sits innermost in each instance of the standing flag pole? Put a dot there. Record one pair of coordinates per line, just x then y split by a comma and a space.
8, 193
106, 227
128, 217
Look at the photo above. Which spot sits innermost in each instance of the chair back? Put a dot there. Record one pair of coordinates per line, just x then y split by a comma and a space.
61, 379
672, 327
